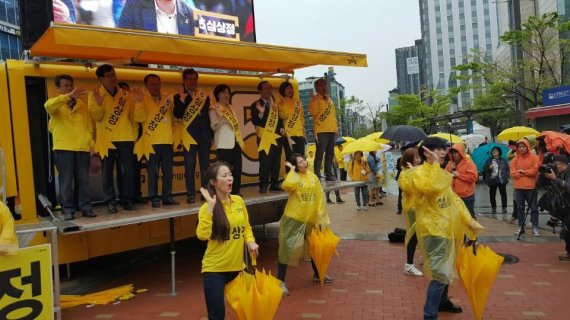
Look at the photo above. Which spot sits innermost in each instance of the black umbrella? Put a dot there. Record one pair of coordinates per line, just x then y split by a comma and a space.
403, 133
565, 128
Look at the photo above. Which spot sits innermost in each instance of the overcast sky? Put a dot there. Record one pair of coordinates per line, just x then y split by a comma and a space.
373, 27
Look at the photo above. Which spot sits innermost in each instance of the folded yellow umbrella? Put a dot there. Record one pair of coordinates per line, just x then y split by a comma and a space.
477, 273
322, 246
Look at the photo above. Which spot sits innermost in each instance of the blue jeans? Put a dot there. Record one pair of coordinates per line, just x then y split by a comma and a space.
530, 196
436, 295
357, 192
470, 204
214, 284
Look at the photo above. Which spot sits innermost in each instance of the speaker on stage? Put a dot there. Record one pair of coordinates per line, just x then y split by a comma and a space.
35, 17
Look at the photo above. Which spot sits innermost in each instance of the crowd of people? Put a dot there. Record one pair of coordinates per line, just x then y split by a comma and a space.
121, 125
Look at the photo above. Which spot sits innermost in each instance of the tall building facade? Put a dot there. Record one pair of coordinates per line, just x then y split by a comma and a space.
336, 93
451, 30
10, 44
410, 68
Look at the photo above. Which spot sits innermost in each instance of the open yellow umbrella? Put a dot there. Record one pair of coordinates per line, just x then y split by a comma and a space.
517, 133
449, 137
364, 145
322, 246
477, 273
375, 136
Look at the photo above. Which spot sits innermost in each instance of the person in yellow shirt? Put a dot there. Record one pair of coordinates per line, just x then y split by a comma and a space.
337, 164
157, 130
223, 221
293, 117
325, 125
305, 208
410, 159
8, 238
359, 171
115, 116
72, 132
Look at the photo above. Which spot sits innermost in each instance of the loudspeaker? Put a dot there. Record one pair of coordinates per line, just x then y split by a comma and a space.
35, 18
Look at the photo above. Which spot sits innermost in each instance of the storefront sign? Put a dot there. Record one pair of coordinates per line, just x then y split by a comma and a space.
556, 96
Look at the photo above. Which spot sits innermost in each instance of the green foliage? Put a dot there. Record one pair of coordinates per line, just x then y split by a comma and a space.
415, 112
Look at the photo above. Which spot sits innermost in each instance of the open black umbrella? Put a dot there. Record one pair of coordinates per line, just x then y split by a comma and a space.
339, 141
404, 133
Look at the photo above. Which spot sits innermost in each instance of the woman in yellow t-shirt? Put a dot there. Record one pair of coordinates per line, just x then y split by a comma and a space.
223, 222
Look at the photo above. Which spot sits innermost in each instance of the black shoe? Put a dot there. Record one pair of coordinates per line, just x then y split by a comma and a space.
140, 200
448, 306
190, 198
88, 214
339, 200
169, 201
129, 206
68, 216
275, 187
262, 188
329, 201
155, 203
111, 207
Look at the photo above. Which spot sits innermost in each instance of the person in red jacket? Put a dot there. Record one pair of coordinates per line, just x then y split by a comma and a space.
524, 171
465, 176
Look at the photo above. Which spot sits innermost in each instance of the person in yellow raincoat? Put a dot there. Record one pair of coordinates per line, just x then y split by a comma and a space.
8, 238
410, 159
305, 208
223, 222
442, 221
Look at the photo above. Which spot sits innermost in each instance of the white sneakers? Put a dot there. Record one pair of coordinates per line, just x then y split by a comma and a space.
535, 232
358, 208
519, 231
284, 288
411, 270
364, 207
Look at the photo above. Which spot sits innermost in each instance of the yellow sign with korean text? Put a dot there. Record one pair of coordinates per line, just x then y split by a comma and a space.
26, 284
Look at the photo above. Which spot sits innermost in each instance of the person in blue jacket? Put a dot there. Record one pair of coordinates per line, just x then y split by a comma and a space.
142, 15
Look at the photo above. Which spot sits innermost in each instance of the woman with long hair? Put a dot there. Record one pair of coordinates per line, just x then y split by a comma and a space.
292, 115
223, 222
410, 159
305, 208
228, 141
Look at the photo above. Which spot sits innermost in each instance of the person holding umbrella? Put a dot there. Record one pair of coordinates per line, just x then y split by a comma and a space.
223, 222
359, 171
305, 208
442, 220
496, 174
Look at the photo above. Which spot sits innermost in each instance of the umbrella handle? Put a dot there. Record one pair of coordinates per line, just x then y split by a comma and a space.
253, 262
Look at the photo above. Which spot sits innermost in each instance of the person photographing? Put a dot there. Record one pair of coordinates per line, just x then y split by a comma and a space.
559, 178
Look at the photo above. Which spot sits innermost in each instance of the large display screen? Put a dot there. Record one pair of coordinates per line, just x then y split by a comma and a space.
220, 19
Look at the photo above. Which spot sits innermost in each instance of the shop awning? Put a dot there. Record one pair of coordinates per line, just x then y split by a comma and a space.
549, 111
134, 46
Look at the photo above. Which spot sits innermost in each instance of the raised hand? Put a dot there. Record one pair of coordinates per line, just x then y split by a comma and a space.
98, 97
409, 165
77, 92
137, 94
259, 107
289, 165
211, 200
431, 156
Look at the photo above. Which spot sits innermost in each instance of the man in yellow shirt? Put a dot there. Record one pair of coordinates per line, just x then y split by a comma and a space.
71, 131
323, 111
157, 130
115, 115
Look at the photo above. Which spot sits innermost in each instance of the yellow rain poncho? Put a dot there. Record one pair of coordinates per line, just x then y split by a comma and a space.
409, 198
8, 238
305, 208
441, 221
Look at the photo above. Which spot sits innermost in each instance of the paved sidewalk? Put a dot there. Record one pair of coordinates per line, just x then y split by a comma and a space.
369, 282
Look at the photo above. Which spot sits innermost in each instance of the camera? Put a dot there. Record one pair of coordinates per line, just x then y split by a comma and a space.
547, 168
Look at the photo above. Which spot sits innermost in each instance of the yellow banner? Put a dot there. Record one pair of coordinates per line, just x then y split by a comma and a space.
269, 136
326, 112
229, 116
183, 137
297, 111
26, 284
103, 142
143, 147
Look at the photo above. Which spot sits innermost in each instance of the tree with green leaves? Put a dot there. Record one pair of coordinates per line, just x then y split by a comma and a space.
412, 110
543, 62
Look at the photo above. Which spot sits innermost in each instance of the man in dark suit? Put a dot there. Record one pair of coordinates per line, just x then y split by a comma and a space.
198, 128
142, 15
269, 162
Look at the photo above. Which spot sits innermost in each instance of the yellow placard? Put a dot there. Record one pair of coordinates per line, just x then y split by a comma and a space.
26, 284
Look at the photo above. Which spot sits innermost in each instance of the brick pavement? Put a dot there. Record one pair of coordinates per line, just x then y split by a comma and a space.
369, 282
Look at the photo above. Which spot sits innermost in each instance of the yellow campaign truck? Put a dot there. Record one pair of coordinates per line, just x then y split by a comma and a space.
25, 85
